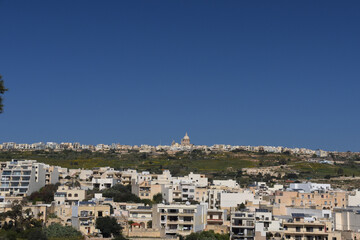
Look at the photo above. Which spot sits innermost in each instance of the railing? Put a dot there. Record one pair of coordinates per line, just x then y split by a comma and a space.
243, 225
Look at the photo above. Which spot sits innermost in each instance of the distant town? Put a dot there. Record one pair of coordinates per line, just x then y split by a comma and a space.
184, 145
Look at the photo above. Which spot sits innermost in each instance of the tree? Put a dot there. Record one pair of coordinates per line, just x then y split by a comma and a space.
157, 198
59, 231
108, 226
37, 234
2, 91
20, 224
120, 237
121, 193
242, 206
209, 235
45, 194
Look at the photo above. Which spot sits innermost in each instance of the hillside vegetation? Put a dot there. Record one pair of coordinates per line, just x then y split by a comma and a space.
216, 165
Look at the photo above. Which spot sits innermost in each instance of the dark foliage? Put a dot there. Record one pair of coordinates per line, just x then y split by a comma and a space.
2, 91
157, 198
45, 194
108, 226
207, 235
121, 193
59, 231
20, 224
37, 234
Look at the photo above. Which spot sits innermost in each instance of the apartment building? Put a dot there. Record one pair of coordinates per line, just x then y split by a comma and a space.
23, 177
83, 217
226, 183
242, 225
233, 199
264, 223
52, 174
354, 199
171, 193
68, 195
217, 221
201, 194
302, 226
103, 183
145, 189
184, 190
347, 219
214, 195
127, 176
141, 215
317, 199
181, 219
216, 217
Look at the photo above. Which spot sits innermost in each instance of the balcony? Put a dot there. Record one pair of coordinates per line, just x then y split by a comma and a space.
171, 230
213, 220
241, 234
172, 211
302, 231
242, 225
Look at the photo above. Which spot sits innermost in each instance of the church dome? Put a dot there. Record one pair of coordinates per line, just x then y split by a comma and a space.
186, 136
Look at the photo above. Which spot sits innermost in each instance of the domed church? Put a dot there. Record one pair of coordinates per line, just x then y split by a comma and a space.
185, 141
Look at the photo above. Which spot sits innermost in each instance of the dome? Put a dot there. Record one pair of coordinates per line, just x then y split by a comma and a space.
186, 136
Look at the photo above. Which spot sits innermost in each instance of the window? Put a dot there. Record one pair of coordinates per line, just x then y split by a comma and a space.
298, 229
76, 195
69, 195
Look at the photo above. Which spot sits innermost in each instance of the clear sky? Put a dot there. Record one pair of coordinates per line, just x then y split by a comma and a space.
144, 72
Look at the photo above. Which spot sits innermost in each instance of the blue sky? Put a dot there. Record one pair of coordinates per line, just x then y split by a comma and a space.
145, 72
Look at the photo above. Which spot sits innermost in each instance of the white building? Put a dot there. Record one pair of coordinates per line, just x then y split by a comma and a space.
23, 177
228, 200
103, 183
309, 187
264, 222
226, 183
354, 199
182, 219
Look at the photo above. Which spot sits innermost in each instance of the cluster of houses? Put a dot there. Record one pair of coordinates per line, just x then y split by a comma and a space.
188, 204
184, 145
